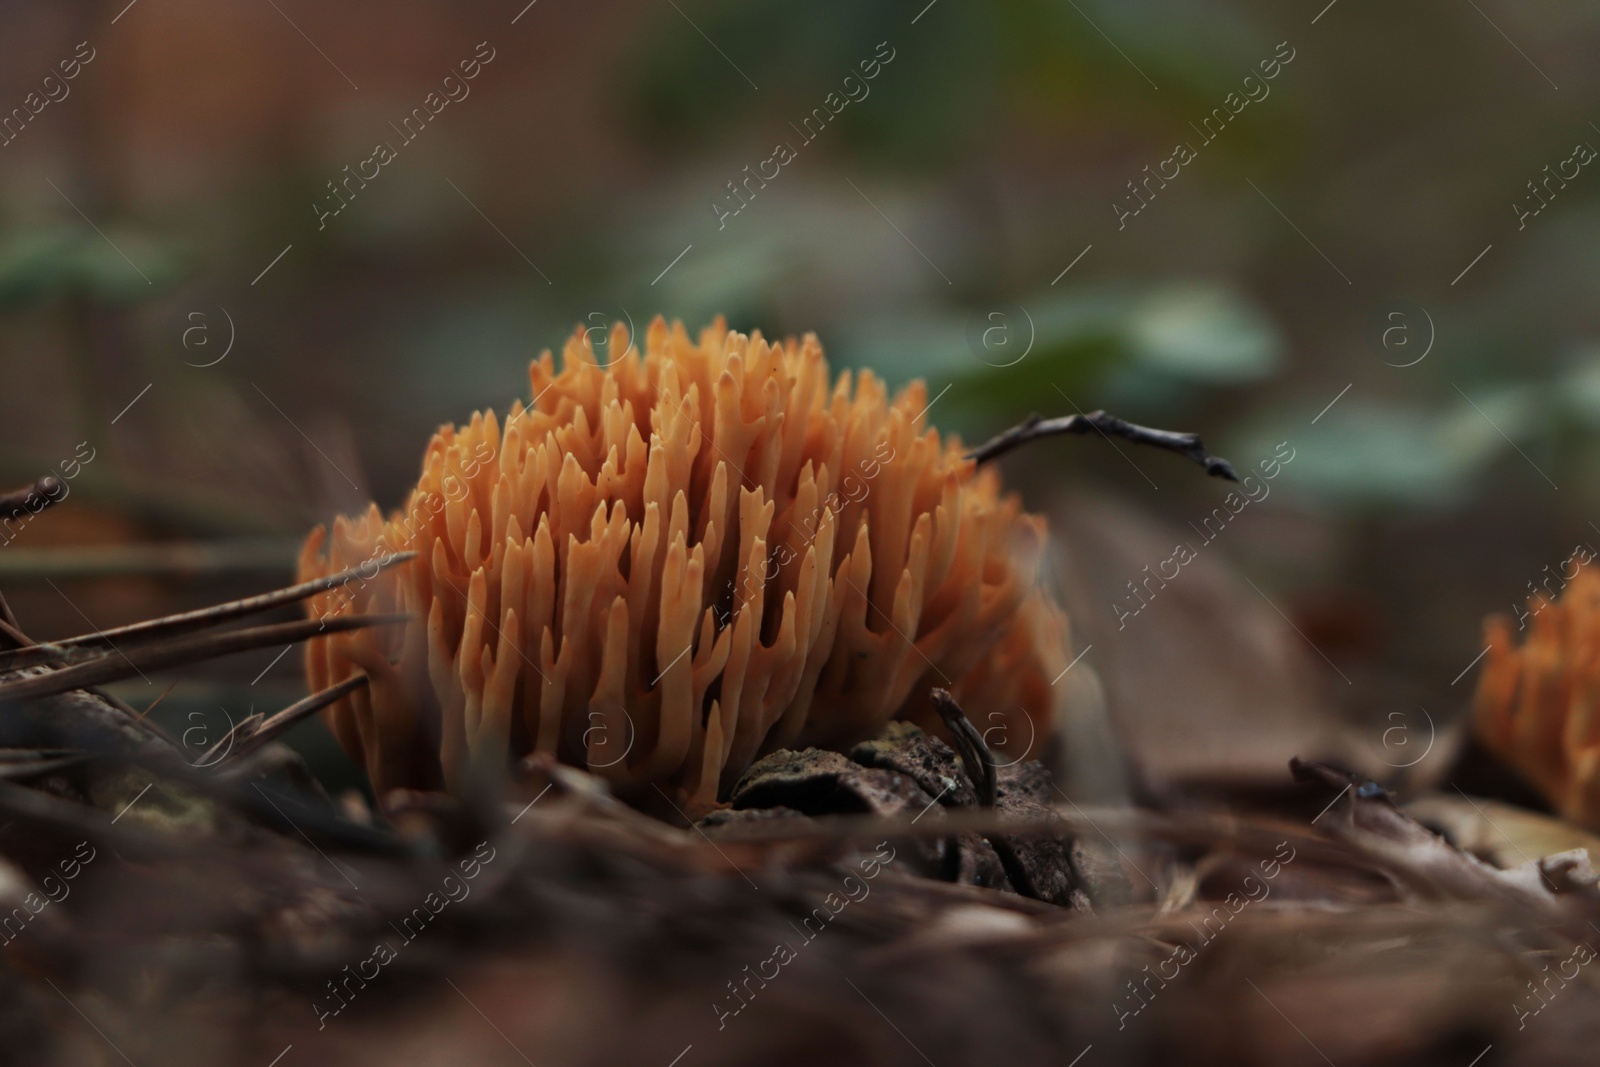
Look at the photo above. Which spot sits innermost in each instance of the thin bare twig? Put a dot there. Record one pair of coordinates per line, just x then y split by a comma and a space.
73, 648
254, 732
9, 628
1187, 445
11, 632
183, 651
45, 490
975, 755
11, 503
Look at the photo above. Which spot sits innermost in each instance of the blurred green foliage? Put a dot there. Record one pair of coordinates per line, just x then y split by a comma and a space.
46, 264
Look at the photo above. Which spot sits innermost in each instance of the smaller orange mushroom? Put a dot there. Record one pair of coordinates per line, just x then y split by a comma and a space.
1538, 706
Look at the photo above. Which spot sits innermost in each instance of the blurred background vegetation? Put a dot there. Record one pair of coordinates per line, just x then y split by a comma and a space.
986, 158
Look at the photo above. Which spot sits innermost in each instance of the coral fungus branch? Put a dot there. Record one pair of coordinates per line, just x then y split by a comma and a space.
1187, 445
667, 566
1535, 704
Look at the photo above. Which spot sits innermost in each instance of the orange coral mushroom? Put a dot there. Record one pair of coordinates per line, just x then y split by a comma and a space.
1538, 706
668, 566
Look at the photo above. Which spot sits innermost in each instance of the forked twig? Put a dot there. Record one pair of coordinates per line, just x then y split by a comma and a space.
1187, 445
